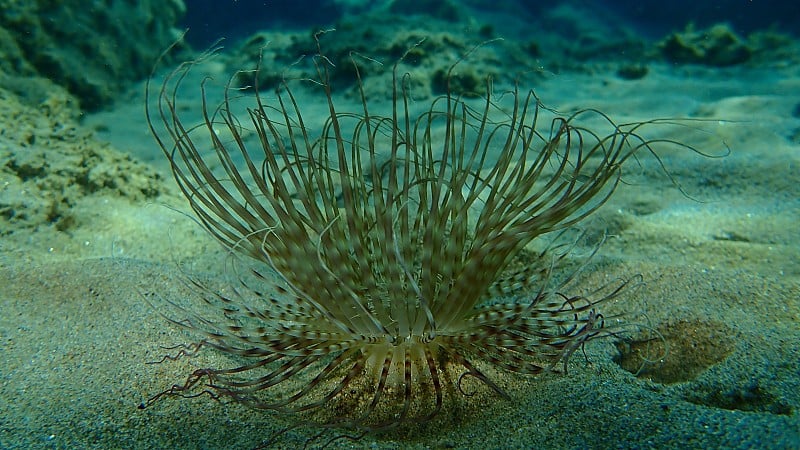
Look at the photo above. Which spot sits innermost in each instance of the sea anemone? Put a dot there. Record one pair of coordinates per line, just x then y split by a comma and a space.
377, 250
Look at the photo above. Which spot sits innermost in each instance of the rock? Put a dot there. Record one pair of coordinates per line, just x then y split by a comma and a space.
94, 51
48, 164
716, 46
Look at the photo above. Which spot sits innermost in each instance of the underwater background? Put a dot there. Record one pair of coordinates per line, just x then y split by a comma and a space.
90, 216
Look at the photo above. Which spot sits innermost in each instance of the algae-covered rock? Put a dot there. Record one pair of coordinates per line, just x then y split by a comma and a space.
716, 46
632, 71
376, 43
774, 48
48, 164
91, 48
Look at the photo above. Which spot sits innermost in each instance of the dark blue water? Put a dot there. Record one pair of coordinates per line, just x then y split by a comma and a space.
744, 16
210, 19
